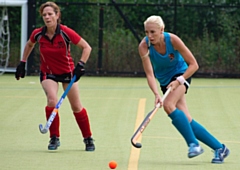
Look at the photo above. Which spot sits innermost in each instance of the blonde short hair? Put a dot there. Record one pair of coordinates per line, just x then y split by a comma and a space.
155, 19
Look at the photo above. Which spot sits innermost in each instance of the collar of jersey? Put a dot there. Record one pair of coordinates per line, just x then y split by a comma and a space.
57, 31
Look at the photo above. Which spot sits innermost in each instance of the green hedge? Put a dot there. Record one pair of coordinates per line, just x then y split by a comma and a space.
211, 31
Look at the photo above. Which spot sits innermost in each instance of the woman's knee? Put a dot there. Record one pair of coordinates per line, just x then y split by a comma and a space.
77, 109
76, 105
168, 107
51, 102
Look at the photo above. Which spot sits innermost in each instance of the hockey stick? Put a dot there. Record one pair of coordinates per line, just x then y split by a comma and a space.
55, 110
145, 122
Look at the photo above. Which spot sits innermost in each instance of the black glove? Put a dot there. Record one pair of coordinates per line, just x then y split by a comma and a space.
20, 71
79, 70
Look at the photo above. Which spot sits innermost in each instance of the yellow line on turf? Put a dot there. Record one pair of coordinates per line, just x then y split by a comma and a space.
135, 152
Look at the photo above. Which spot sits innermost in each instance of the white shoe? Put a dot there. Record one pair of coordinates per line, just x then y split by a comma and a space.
194, 150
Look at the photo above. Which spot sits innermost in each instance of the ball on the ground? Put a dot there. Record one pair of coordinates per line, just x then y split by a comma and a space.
112, 164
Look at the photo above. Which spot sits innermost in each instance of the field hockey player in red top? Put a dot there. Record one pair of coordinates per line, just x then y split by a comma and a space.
166, 58
56, 67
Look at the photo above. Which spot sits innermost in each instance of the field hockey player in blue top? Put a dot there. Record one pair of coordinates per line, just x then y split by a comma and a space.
166, 58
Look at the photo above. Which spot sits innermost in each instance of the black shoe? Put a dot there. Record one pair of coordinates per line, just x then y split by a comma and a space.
89, 144
54, 143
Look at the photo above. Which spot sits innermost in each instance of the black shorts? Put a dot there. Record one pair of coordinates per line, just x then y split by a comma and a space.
63, 78
164, 88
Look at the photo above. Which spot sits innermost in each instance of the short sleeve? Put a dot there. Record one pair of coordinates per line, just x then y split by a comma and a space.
73, 36
33, 36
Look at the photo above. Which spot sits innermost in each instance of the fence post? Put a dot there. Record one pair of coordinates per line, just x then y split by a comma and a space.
31, 27
175, 17
100, 40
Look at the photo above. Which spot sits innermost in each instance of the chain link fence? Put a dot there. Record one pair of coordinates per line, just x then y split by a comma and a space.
114, 29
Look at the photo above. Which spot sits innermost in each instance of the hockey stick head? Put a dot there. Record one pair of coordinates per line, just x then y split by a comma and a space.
146, 121
136, 145
42, 130
142, 127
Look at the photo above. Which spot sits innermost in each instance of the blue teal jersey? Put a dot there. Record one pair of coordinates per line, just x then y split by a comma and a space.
168, 65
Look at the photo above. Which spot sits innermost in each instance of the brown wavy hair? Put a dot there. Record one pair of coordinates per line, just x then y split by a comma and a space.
55, 8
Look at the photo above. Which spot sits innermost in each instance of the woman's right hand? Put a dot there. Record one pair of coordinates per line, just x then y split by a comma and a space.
20, 71
158, 99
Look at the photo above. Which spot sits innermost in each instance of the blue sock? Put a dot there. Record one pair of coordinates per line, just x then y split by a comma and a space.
180, 121
204, 136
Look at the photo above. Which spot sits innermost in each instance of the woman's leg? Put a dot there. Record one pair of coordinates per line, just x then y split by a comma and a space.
81, 116
50, 88
180, 120
200, 132
204, 136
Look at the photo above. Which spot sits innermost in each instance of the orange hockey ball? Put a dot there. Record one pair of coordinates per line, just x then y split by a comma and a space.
112, 164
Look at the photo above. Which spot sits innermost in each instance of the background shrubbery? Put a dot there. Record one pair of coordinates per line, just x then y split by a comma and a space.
209, 29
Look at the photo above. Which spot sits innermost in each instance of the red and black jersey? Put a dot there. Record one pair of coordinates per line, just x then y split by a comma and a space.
55, 54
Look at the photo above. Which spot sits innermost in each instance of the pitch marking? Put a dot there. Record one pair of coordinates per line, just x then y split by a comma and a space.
135, 152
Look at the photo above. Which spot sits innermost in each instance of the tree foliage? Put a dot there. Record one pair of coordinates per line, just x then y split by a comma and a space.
209, 28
